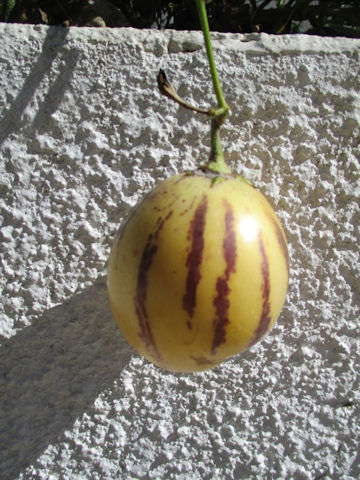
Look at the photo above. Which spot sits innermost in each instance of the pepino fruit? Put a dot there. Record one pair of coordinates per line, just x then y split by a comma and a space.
199, 271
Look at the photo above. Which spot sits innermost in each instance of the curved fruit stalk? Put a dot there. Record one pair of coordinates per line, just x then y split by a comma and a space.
199, 271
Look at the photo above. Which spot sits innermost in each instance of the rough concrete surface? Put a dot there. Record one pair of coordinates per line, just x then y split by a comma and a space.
84, 134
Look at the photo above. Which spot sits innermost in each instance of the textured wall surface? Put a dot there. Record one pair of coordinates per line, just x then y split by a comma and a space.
83, 134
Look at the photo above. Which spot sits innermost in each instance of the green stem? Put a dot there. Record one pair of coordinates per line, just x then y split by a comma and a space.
216, 161
206, 32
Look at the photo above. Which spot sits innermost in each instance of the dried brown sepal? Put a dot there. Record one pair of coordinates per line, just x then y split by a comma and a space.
167, 90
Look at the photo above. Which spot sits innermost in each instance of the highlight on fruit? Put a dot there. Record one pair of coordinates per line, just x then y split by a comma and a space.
199, 270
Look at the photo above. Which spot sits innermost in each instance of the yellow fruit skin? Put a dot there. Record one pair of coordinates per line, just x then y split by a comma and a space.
199, 272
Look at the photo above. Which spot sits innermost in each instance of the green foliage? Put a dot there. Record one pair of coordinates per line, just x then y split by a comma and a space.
320, 17
6, 7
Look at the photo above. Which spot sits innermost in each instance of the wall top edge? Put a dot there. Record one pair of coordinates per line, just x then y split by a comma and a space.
174, 41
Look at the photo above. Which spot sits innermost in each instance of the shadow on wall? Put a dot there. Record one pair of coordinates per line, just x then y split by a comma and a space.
52, 370
12, 118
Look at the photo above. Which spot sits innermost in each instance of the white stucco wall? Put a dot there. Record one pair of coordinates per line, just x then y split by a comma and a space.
83, 134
